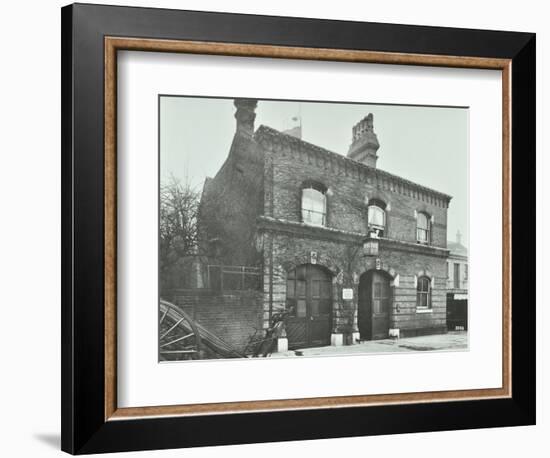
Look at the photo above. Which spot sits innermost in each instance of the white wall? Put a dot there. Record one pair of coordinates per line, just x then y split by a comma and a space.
30, 229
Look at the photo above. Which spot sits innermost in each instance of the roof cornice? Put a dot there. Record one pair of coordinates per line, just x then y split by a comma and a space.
277, 141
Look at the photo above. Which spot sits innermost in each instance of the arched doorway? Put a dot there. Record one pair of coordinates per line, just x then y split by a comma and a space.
373, 314
309, 300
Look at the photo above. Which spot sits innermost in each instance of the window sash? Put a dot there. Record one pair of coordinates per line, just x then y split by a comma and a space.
423, 284
313, 207
456, 279
423, 300
313, 217
376, 217
424, 293
422, 221
423, 233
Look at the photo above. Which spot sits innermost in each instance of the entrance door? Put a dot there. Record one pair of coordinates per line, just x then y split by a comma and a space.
309, 299
373, 317
457, 313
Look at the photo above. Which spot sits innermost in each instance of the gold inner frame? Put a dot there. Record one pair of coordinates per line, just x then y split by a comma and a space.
114, 44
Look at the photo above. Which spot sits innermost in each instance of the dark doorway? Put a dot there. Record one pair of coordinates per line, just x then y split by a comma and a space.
457, 313
373, 314
309, 299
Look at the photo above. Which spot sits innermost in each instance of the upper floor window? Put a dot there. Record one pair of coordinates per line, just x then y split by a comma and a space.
314, 205
424, 293
377, 217
456, 278
423, 233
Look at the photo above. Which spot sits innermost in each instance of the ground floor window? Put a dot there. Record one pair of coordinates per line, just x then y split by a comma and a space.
423, 293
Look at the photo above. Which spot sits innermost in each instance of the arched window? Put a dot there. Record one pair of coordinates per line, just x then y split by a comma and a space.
377, 217
423, 232
314, 205
424, 293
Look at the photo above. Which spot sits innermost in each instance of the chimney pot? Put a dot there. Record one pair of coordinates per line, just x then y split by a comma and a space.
364, 143
245, 115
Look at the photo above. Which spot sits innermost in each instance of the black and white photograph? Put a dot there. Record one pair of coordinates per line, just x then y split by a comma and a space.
275, 229
292, 228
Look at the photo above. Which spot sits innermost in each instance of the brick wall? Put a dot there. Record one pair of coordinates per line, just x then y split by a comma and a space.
290, 163
256, 195
285, 251
344, 256
232, 316
404, 314
230, 204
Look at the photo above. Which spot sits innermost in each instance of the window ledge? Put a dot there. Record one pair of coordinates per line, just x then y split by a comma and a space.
308, 223
424, 310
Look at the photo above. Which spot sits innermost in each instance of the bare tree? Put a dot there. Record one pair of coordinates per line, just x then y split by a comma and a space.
179, 205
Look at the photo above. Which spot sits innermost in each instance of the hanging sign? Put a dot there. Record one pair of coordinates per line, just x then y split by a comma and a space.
370, 247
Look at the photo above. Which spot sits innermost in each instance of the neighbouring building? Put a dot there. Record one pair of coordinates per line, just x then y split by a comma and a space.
350, 252
457, 285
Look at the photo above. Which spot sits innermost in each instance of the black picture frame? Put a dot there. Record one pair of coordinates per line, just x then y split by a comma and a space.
84, 427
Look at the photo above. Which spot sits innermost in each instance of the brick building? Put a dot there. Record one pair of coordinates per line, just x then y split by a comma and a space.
350, 251
457, 285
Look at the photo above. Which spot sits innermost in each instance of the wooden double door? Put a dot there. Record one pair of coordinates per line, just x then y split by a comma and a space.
374, 303
309, 300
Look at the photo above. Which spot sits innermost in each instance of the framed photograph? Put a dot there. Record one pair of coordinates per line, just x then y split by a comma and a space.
283, 228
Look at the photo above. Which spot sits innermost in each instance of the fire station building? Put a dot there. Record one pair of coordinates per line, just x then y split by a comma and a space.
350, 252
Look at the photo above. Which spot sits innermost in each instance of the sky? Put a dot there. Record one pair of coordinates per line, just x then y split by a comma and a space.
427, 145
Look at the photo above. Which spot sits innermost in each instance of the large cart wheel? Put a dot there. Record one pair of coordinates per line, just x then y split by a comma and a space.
179, 337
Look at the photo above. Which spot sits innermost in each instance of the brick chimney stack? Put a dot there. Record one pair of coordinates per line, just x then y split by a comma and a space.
245, 115
364, 143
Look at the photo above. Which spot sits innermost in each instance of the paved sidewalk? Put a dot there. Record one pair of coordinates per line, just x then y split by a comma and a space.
452, 341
